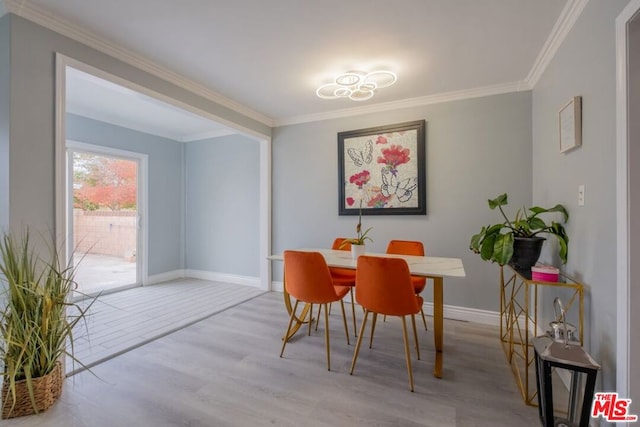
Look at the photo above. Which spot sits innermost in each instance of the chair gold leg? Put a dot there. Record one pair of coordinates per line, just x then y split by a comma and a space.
353, 313
424, 319
310, 318
326, 335
344, 320
318, 316
355, 353
406, 352
415, 335
286, 334
299, 320
373, 328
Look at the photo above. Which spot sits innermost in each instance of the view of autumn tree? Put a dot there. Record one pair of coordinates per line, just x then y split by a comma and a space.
101, 182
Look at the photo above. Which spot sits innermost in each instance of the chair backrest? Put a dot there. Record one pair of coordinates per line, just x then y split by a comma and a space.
342, 273
383, 285
307, 277
337, 244
405, 247
409, 247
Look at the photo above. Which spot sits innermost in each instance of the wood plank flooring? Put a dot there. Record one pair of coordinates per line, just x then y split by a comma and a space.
225, 371
121, 321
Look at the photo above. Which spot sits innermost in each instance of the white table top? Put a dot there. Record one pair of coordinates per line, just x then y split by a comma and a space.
418, 265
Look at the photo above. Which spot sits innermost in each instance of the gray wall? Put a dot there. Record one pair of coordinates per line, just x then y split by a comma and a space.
5, 84
222, 193
32, 114
166, 184
476, 149
202, 197
584, 65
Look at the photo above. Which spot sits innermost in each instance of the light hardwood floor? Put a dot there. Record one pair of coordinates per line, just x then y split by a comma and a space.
121, 321
225, 371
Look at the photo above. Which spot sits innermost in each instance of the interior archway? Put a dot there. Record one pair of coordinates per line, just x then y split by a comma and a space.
264, 192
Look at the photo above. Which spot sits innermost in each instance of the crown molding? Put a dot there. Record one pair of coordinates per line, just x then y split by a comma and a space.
116, 121
563, 25
457, 95
568, 17
207, 135
54, 23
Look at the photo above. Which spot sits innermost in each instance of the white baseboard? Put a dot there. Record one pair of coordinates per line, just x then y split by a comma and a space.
466, 314
277, 286
450, 311
223, 277
203, 275
164, 277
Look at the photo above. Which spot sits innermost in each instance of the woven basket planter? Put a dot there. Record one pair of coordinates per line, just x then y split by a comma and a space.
46, 391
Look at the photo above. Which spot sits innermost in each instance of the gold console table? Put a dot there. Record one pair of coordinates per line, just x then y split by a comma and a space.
519, 321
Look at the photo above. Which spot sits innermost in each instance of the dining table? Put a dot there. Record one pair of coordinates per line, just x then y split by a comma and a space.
435, 268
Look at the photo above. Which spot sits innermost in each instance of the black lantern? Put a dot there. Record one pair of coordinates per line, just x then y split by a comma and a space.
558, 360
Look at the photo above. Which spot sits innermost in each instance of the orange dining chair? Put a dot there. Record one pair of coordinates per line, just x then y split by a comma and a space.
384, 287
307, 279
409, 247
345, 277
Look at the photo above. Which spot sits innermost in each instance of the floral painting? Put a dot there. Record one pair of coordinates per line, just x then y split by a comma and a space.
382, 170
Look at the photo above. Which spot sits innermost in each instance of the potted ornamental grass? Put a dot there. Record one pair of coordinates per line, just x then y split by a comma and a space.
37, 319
518, 241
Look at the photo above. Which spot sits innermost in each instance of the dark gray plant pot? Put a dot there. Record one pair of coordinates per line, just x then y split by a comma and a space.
526, 251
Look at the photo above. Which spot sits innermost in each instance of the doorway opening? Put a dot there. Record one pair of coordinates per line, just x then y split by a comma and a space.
165, 267
105, 190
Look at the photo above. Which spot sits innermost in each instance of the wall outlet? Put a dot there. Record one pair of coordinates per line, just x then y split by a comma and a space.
581, 195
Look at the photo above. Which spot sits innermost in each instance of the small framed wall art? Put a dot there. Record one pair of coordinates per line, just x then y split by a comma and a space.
570, 124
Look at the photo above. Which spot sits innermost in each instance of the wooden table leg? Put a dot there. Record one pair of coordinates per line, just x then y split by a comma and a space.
438, 324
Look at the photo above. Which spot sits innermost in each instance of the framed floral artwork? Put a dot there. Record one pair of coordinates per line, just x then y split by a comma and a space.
382, 170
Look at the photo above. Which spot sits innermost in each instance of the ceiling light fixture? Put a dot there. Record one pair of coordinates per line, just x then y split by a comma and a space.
356, 85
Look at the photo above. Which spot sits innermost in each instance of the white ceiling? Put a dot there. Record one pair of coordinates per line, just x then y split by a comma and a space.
100, 99
266, 58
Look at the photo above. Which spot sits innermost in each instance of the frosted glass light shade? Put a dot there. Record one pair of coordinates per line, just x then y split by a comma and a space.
356, 85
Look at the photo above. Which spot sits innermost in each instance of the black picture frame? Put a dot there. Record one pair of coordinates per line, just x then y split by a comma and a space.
382, 170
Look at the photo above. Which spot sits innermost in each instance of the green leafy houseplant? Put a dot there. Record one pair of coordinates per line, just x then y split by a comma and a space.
496, 242
36, 327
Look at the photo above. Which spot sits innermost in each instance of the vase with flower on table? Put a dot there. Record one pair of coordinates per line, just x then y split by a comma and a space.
358, 243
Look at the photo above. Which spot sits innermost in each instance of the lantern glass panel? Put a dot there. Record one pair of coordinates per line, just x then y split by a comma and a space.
568, 395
